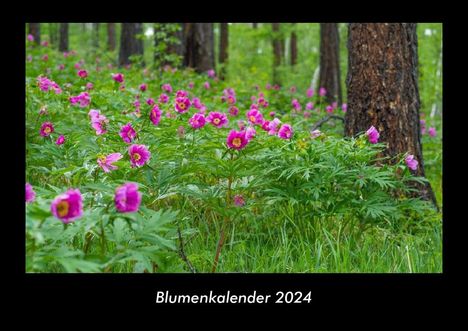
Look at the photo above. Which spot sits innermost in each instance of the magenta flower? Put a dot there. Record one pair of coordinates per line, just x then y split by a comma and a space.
118, 77
83, 99
139, 155
233, 111
310, 106
373, 135
181, 94
237, 140
143, 87
211, 73
60, 140
46, 84
30, 194
239, 200
329, 109
432, 131
127, 198
196, 103
344, 107
167, 88
98, 121
266, 125
155, 115
296, 105
163, 98
197, 121
30, 37
250, 133
268, 86
105, 162
285, 132
241, 124
128, 133
150, 101
89, 86
310, 92
182, 104
82, 73
191, 85
322, 92
217, 119
206, 85
46, 129
68, 206
411, 162
231, 99
45, 57
273, 127
316, 133
272, 114
255, 117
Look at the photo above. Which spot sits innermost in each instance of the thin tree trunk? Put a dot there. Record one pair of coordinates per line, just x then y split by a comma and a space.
293, 46
330, 61
111, 36
254, 25
223, 48
95, 38
383, 88
63, 44
199, 46
277, 50
129, 44
53, 33
35, 31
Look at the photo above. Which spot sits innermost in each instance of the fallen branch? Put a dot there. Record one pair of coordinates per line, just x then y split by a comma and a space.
326, 119
182, 252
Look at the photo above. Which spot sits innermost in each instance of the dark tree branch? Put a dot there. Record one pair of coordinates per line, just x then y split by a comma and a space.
326, 119
182, 252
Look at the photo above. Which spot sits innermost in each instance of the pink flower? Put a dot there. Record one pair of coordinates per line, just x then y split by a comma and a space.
196, 103
285, 132
316, 133
98, 121
432, 132
143, 87
155, 115
206, 85
334, 105
30, 37
306, 114
127, 198
255, 117
344, 107
181, 94
236, 140
268, 86
329, 109
118, 77
273, 127
45, 43
60, 140
150, 101
309, 106
46, 84
45, 57
233, 111
89, 86
272, 114
241, 124
182, 104
293, 89
411, 162
191, 85
373, 135
61, 66
46, 129
217, 119
322, 92
296, 104
231, 99
82, 73
128, 133
167, 88
68, 206
239, 200
105, 162
197, 121
211, 73
163, 98
83, 99
310, 92
250, 133
139, 155
30, 194
266, 125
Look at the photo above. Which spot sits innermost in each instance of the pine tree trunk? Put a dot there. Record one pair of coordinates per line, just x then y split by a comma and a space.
330, 61
293, 47
277, 50
129, 44
63, 43
223, 48
199, 46
383, 88
35, 31
111, 36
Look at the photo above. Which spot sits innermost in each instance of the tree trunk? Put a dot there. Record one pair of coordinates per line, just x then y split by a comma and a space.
277, 50
330, 61
293, 46
223, 48
53, 33
95, 38
35, 30
254, 25
111, 36
63, 43
129, 44
163, 32
199, 46
383, 88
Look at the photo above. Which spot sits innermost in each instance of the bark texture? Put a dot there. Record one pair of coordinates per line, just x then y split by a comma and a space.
63, 43
111, 36
129, 43
383, 88
330, 61
223, 48
35, 30
293, 47
277, 51
199, 46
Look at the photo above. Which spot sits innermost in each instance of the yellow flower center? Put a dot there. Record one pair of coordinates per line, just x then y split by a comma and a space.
62, 208
181, 105
47, 129
252, 118
216, 121
103, 159
237, 142
136, 156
